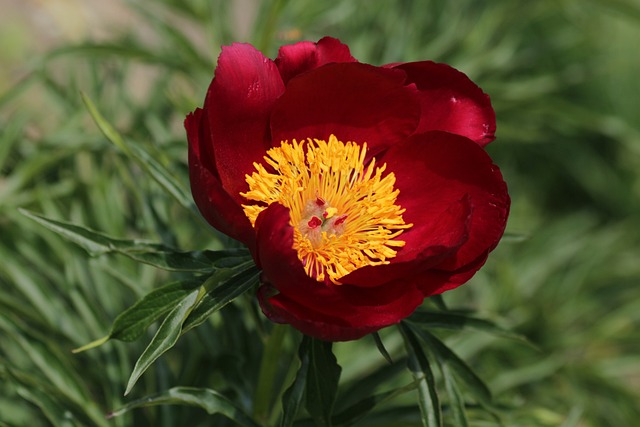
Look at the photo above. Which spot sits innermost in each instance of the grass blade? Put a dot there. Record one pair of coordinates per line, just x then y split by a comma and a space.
150, 165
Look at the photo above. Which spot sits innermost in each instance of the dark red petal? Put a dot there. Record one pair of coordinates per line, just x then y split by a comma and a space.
304, 56
434, 281
329, 312
214, 203
238, 104
442, 234
451, 101
434, 171
356, 102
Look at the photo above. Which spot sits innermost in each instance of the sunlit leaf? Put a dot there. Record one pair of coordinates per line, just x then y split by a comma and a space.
133, 322
165, 338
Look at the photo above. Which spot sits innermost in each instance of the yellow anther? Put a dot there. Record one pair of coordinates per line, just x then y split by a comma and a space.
343, 212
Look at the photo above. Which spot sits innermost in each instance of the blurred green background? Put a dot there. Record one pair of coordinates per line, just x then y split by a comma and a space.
563, 78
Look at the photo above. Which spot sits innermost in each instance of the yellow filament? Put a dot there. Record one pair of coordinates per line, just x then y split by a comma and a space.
329, 181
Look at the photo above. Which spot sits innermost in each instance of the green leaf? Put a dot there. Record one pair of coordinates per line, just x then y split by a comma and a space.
361, 388
457, 321
219, 290
322, 382
381, 348
265, 395
207, 399
150, 165
165, 338
456, 401
364, 407
438, 300
132, 322
293, 396
419, 366
449, 359
154, 254
227, 285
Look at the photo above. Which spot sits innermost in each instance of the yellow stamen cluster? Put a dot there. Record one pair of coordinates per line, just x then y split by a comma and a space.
344, 213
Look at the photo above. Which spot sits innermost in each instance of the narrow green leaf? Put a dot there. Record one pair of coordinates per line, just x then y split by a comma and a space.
419, 366
364, 407
265, 394
222, 287
438, 300
361, 388
322, 382
150, 165
381, 348
163, 177
207, 399
165, 338
448, 358
105, 127
457, 321
456, 401
292, 398
157, 255
132, 322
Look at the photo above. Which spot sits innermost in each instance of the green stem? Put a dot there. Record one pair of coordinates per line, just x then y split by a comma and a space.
265, 392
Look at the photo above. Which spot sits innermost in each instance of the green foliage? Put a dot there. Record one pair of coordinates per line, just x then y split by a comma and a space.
92, 147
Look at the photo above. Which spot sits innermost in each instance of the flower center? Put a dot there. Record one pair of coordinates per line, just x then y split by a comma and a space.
343, 212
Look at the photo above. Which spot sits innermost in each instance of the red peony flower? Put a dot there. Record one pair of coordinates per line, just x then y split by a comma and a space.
360, 190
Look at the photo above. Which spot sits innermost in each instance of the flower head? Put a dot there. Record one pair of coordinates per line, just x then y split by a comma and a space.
360, 190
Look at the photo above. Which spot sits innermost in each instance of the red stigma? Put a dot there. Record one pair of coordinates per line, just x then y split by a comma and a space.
340, 220
314, 222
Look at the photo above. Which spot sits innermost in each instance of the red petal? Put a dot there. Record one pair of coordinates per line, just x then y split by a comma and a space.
434, 171
451, 102
324, 311
215, 204
434, 281
304, 56
238, 104
431, 240
356, 102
